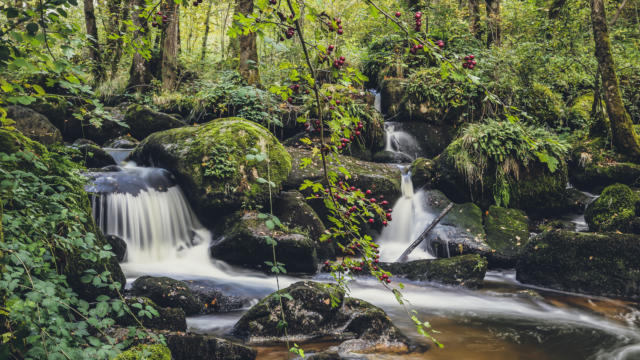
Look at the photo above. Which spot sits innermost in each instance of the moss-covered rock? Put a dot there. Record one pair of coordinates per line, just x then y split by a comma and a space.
62, 175
34, 125
167, 292
123, 142
244, 241
91, 155
465, 270
143, 121
386, 156
391, 92
292, 209
118, 246
422, 172
146, 352
209, 162
507, 234
185, 346
614, 210
546, 106
595, 176
315, 310
599, 264
168, 318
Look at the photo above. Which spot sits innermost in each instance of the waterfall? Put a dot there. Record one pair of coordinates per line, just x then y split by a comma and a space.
400, 143
410, 218
377, 103
145, 208
119, 155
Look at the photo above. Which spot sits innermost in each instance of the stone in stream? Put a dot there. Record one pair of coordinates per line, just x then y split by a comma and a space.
464, 270
123, 142
243, 241
209, 163
168, 318
167, 292
144, 121
214, 299
91, 155
615, 210
507, 234
202, 347
118, 246
316, 310
599, 264
34, 125
386, 156
422, 171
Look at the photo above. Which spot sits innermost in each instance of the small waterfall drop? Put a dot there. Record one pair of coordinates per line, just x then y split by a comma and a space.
119, 155
377, 103
145, 208
410, 218
400, 143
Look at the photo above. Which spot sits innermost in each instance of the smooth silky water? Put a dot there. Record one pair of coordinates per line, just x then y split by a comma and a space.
504, 320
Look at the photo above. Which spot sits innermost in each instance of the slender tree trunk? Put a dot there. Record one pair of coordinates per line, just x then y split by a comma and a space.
623, 136
117, 11
617, 15
205, 38
223, 30
474, 11
493, 22
170, 46
140, 71
94, 47
555, 8
245, 47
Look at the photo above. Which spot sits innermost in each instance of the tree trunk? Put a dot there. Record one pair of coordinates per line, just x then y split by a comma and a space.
205, 38
92, 32
493, 22
623, 136
140, 71
474, 12
117, 10
170, 46
245, 47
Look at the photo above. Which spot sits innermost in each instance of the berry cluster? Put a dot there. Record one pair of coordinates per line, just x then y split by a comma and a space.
338, 22
415, 48
197, 2
160, 19
289, 32
418, 18
273, 2
337, 63
440, 44
469, 62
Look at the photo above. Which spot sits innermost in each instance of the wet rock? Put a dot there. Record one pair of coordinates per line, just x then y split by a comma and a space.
459, 232
507, 234
244, 241
464, 270
292, 209
310, 314
422, 172
202, 347
118, 246
391, 157
614, 210
167, 292
209, 162
91, 155
598, 264
382, 179
168, 318
214, 299
34, 125
143, 121
594, 176
391, 92
123, 142
431, 138
577, 201
146, 352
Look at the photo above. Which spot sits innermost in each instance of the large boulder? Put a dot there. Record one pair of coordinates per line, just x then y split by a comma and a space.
464, 270
244, 240
144, 121
34, 125
123, 142
167, 292
598, 264
422, 172
185, 346
167, 318
210, 164
215, 299
91, 155
614, 210
315, 310
507, 234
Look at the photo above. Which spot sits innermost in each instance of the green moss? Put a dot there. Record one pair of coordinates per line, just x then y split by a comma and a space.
146, 352
614, 210
507, 233
464, 270
422, 172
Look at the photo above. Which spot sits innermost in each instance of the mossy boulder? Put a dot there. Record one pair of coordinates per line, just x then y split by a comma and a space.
146, 352
422, 172
595, 176
315, 310
186, 346
167, 292
123, 142
391, 92
91, 155
615, 210
546, 106
465, 270
386, 156
293, 210
34, 125
598, 264
62, 176
118, 246
244, 240
168, 318
507, 234
144, 121
210, 164
459, 232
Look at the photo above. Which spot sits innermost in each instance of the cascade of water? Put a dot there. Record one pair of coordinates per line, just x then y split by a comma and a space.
377, 103
119, 155
146, 209
410, 217
400, 142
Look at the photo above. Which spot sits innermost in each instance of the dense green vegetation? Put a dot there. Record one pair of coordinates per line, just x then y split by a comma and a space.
522, 95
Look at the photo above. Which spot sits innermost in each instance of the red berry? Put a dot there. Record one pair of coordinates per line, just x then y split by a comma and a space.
471, 66
290, 100
373, 200
340, 32
398, 14
385, 223
371, 221
471, 57
368, 192
330, 48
